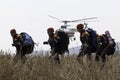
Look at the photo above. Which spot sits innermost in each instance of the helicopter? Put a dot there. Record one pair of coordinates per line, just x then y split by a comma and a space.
68, 28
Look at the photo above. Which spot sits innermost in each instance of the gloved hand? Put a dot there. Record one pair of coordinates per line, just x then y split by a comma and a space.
13, 44
16, 44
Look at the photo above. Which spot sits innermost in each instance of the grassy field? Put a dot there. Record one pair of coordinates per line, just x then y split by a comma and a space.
41, 68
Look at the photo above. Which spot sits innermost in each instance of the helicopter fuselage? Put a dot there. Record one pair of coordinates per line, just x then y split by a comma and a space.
69, 31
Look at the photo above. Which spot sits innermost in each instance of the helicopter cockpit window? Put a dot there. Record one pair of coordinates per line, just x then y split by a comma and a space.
63, 26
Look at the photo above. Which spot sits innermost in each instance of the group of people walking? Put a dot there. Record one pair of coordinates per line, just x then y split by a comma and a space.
102, 45
58, 40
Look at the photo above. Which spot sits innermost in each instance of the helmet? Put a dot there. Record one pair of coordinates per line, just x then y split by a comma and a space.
50, 29
80, 26
12, 31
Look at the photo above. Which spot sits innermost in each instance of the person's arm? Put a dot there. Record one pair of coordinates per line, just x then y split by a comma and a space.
56, 38
17, 41
85, 38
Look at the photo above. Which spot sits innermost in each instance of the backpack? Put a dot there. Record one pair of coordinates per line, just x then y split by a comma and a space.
92, 38
64, 39
27, 39
110, 40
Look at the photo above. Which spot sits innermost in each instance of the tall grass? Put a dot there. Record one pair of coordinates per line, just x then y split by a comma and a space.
41, 68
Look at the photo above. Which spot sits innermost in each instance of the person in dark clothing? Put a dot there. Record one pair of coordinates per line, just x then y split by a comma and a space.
22, 48
104, 48
86, 44
58, 45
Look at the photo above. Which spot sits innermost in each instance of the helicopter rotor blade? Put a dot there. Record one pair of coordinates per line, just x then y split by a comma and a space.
84, 19
91, 21
55, 18
64, 21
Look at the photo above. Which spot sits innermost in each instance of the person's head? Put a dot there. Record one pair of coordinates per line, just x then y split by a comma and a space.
50, 31
80, 27
13, 32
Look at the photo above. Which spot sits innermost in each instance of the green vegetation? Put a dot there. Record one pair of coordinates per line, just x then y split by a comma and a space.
41, 68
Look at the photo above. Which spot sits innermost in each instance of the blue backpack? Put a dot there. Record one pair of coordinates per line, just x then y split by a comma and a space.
93, 38
27, 39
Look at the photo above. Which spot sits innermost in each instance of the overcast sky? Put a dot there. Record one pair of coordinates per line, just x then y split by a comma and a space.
32, 17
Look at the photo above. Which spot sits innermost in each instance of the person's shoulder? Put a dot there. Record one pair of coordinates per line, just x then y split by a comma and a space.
18, 35
55, 36
85, 33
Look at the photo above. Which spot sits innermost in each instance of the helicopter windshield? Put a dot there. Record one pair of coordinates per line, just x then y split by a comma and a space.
63, 27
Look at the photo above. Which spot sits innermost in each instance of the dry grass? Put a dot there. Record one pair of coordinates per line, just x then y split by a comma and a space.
41, 68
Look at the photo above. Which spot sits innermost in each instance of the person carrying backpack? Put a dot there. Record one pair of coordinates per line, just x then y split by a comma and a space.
106, 47
58, 43
23, 43
85, 38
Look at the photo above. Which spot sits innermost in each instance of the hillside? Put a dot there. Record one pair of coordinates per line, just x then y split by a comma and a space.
72, 50
41, 68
